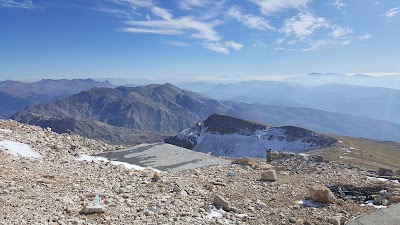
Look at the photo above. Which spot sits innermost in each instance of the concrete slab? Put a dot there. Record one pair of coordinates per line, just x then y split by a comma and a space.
164, 157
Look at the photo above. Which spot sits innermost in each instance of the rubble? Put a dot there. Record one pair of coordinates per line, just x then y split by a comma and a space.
57, 188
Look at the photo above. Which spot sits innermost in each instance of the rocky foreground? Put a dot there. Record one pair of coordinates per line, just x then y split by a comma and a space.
55, 188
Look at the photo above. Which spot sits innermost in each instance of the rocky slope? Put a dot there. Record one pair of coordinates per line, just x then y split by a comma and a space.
54, 188
15, 95
229, 136
116, 115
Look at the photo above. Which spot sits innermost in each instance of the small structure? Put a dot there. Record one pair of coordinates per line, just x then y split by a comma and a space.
96, 207
269, 155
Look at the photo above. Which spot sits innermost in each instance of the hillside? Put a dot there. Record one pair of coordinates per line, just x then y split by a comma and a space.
20, 95
228, 136
151, 113
123, 112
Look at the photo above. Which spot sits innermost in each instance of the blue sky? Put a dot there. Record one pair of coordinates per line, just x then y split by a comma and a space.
197, 39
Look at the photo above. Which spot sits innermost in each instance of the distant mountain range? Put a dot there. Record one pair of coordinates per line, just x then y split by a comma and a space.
152, 112
373, 102
318, 79
15, 95
228, 136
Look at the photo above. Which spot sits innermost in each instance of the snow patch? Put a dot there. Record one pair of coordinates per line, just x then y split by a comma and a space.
5, 131
371, 203
383, 179
309, 203
19, 149
117, 163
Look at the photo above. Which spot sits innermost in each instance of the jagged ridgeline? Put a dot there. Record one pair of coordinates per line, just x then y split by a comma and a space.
228, 136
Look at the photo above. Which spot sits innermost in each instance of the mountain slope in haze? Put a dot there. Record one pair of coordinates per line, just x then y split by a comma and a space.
233, 137
389, 81
157, 109
10, 104
20, 94
372, 102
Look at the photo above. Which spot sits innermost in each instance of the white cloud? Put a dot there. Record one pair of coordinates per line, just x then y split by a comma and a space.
189, 4
339, 31
269, 7
251, 21
223, 48
392, 12
303, 25
23, 4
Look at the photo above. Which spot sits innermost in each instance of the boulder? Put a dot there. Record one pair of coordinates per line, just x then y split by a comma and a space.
219, 201
156, 177
320, 193
269, 175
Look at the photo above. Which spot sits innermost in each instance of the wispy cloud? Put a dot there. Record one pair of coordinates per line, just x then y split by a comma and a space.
251, 21
223, 48
184, 25
365, 37
303, 25
22, 4
177, 43
339, 4
339, 32
326, 43
269, 7
392, 12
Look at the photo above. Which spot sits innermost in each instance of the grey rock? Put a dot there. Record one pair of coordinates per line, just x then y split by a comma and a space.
269, 175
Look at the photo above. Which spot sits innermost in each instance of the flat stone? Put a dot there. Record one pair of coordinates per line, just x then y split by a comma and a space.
92, 209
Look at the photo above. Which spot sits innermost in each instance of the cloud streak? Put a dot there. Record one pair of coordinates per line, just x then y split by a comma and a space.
251, 21
270, 7
392, 12
22, 4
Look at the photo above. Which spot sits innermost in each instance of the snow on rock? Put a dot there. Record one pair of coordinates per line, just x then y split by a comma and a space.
18, 149
228, 136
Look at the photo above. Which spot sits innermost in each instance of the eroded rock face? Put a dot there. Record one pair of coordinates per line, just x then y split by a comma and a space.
320, 193
228, 136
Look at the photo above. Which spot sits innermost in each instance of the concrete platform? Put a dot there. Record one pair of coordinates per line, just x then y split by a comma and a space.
164, 157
